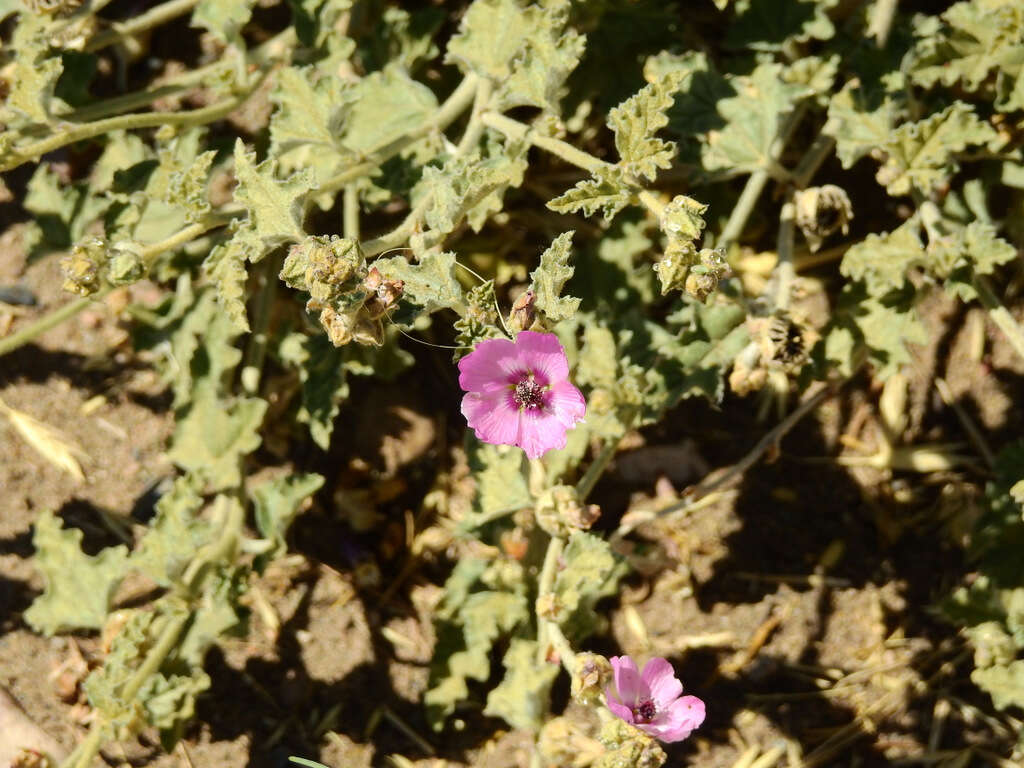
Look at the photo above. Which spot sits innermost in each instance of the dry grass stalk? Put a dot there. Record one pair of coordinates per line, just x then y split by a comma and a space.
46, 440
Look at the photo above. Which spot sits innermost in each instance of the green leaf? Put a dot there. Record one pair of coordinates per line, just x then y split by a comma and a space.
278, 502
857, 128
700, 88
526, 50
887, 328
169, 702
921, 155
324, 384
78, 587
1005, 684
754, 117
979, 46
637, 120
500, 484
224, 19
882, 261
214, 433
431, 284
607, 190
226, 268
521, 699
175, 534
590, 573
463, 647
383, 107
216, 611
549, 279
771, 25
471, 185
276, 208
34, 74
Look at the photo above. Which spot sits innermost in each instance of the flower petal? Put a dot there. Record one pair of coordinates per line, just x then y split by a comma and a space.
627, 681
618, 709
544, 355
678, 721
567, 403
659, 676
490, 366
492, 415
541, 430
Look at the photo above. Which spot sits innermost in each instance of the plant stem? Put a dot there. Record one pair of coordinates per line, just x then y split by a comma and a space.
1000, 315
475, 128
596, 469
545, 586
785, 271
256, 349
350, 212
154, 17
812, 160
82, 131
744, 207
69, 310
48, 321
882, 16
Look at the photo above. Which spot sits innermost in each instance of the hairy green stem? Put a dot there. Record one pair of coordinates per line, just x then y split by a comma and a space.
350, 212
148, 256
154, 17
545, 586
810, 162
882, 15
256, 349
596, 469
1000, 315
785, 271
75, 133
744, 207
475, 128
48, 321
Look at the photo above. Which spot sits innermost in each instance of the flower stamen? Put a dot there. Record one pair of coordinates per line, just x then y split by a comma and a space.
645, 711
528, 394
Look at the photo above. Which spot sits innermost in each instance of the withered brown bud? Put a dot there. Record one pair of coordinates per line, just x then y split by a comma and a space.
821, 211
593, 674
524, 313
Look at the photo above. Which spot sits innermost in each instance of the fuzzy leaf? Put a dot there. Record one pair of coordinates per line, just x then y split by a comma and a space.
526, 50
79, 587
223, 19
607, 191
216, 612
753, 119
500, 484
431, 284
857, 128
590, 573
549, 279
34, 74
471, 186
698, 93
922, 154
975, 41
226, 267
383, 107
214, 433
275, 206
463, 648
175, 534
882, 261
1004, 683
324, 384
279, 501
637, 120
521, 698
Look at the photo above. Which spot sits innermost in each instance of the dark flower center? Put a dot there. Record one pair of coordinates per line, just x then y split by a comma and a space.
645, 711
529, 394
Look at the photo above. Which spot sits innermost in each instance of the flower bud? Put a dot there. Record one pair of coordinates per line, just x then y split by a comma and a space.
523, 313
125, 265
628, 747
559, 511
821, 211
592, 675
549, 606
83, 267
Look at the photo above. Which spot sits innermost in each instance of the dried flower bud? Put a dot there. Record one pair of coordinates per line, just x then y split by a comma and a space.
559, 511
593, 674
523, 314
384, 293
821, 211
628, 747
83, 267
352, 325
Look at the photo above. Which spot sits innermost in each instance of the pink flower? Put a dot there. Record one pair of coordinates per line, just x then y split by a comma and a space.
653, 700
519, 393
